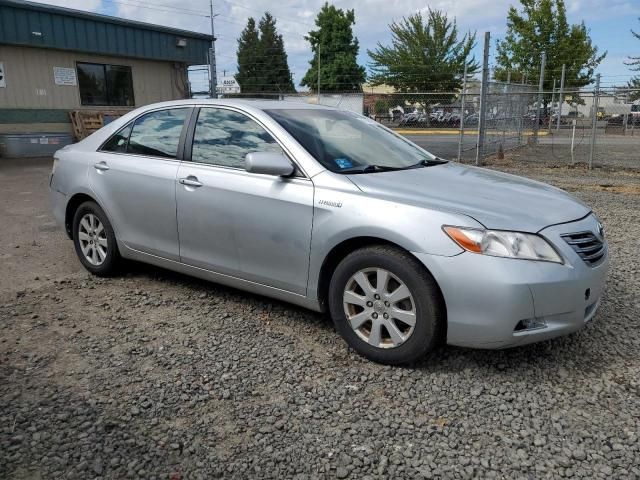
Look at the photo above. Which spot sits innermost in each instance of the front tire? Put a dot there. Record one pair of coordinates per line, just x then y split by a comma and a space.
94, 240
386, 305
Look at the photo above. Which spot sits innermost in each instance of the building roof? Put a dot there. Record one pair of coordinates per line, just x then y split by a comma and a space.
45, 26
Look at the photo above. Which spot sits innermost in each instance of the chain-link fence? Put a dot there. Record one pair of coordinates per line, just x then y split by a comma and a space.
600, 127
591, 126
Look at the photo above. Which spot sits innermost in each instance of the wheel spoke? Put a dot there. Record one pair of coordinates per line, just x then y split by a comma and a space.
399, 293
102, 242
99, 228
83, 236
354, 299
396, 336
86, 249
405, 316
84, 223
382, 279
94, 255
357, 320
102, 253
363, 281
375, 336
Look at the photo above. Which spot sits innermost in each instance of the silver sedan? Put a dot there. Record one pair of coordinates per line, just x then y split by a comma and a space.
332, 211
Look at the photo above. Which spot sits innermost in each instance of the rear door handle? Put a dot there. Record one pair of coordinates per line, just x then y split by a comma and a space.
102, 166
190, 181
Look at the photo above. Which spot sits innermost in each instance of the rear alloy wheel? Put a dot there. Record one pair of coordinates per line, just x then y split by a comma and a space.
386, 305
95, 240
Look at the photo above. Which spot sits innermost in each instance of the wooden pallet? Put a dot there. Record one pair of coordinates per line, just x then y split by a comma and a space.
85, 122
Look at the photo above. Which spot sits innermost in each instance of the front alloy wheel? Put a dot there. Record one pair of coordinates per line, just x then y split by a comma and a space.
386, 305
379, 308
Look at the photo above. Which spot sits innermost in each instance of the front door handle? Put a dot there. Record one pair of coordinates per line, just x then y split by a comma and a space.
190, 181
102, 166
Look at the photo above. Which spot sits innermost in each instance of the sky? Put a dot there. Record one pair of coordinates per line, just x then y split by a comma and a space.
608, 21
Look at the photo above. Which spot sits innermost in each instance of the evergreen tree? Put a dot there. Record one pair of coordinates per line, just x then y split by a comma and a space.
248, 58
337, 48
542, 27
262, 59
276, 75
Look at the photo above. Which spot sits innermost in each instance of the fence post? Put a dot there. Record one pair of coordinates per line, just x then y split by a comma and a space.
483, 99
573, 140
536, 127
553, 94
594, 126
464, 91
560, 97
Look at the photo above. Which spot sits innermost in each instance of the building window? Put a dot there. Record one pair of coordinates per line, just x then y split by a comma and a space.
105, 85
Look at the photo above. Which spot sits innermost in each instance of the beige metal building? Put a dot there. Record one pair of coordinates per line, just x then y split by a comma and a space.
54, 60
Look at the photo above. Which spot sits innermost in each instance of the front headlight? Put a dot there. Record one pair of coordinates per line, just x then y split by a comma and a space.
498, 243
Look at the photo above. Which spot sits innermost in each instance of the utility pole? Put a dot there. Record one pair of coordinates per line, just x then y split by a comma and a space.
482, 115
318, 72
536, 127
594, 125
213, 79
560, 96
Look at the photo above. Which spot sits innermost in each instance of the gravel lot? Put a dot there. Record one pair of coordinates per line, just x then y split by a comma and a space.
155, 375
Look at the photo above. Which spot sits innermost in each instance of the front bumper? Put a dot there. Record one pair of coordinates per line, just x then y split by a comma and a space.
487, 297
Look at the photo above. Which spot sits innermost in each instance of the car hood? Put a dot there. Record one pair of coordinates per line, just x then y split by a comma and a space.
497, 200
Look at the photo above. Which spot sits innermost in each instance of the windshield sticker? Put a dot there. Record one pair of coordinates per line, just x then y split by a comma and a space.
343, 163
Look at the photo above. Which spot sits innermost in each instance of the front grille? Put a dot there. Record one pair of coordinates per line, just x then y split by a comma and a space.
589, 247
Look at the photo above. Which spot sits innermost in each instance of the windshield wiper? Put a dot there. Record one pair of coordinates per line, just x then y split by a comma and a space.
370, 169
384, 168
430, 162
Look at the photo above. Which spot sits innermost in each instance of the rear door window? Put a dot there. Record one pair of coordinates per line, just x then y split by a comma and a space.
157, 134
118, 142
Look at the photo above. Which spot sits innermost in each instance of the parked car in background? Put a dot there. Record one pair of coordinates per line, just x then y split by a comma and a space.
471, 120
409, 119
332, 211
634, 119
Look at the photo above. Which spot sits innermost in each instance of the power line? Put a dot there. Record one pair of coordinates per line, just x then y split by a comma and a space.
276, 17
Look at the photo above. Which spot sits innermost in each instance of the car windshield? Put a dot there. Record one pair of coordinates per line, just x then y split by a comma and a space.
346, 142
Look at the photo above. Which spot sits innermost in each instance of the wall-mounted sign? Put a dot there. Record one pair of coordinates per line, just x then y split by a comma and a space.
3, 82
65, 76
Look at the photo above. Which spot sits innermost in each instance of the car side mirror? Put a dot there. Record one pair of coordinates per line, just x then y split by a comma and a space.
268, 163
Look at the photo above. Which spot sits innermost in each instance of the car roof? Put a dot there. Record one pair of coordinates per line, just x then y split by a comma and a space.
259, 104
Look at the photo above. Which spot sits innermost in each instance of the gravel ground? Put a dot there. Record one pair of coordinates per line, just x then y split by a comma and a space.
155, 375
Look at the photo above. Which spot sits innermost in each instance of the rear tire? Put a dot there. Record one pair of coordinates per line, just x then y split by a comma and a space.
95, 240
386, 305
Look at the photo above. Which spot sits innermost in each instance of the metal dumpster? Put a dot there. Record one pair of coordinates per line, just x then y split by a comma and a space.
17, 145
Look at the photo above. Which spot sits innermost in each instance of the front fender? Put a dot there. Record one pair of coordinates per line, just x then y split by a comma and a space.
345, 214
